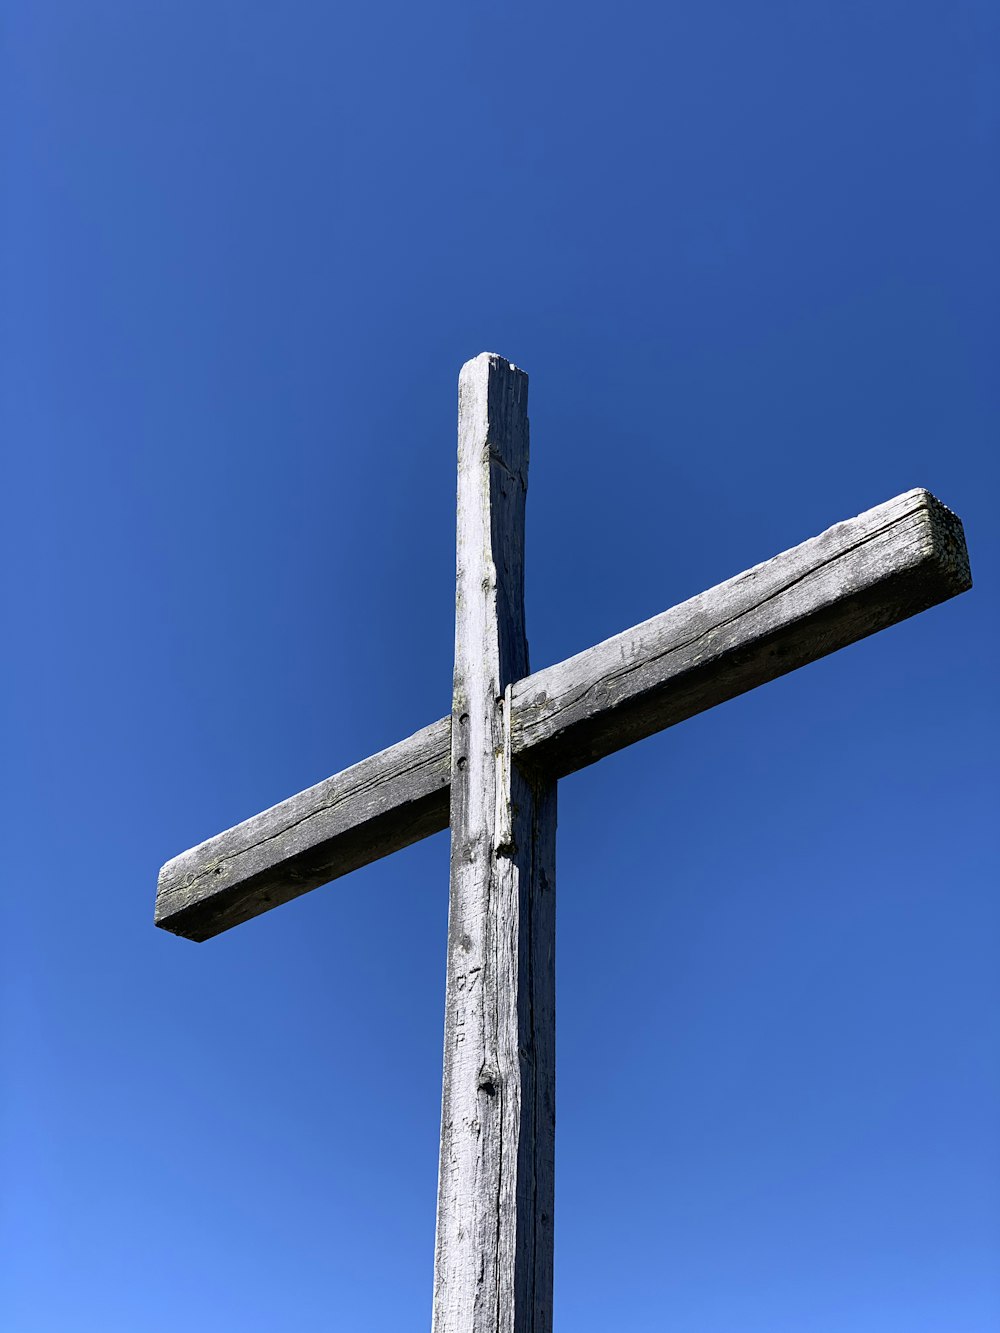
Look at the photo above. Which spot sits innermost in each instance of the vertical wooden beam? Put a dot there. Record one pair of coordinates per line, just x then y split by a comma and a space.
493, 1250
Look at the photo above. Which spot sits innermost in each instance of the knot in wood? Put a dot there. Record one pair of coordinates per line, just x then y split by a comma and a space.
488, 1081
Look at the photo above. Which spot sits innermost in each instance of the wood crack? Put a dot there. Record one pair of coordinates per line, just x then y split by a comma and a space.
343, 800
682, 645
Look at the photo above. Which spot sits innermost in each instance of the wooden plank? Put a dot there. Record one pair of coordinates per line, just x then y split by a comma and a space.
493, 1249
859, 577
369, 810
851, 581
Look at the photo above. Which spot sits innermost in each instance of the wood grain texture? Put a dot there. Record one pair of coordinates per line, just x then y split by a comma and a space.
858, 577
369, 810
493, 1247
854, 579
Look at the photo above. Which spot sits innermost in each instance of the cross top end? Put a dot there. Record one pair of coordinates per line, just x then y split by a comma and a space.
490, 359
493, 414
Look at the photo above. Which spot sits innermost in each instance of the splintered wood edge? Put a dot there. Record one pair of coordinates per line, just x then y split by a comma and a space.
854, 579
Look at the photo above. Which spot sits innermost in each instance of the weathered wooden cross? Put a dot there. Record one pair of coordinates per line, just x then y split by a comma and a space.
490, 771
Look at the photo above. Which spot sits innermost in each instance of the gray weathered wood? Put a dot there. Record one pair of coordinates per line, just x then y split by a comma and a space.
369, 810
493, 1248
856, 578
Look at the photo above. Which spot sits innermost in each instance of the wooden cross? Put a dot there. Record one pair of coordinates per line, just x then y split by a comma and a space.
490, 771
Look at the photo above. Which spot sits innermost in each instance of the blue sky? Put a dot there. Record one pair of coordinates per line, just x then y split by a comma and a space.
746, 254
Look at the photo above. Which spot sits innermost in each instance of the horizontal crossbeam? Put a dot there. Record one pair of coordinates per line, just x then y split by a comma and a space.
369, 810
854, 579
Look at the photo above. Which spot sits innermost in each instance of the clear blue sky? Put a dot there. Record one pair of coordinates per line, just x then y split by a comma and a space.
747, 254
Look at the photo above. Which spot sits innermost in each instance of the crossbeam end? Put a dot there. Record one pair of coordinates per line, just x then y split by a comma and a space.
366, 812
